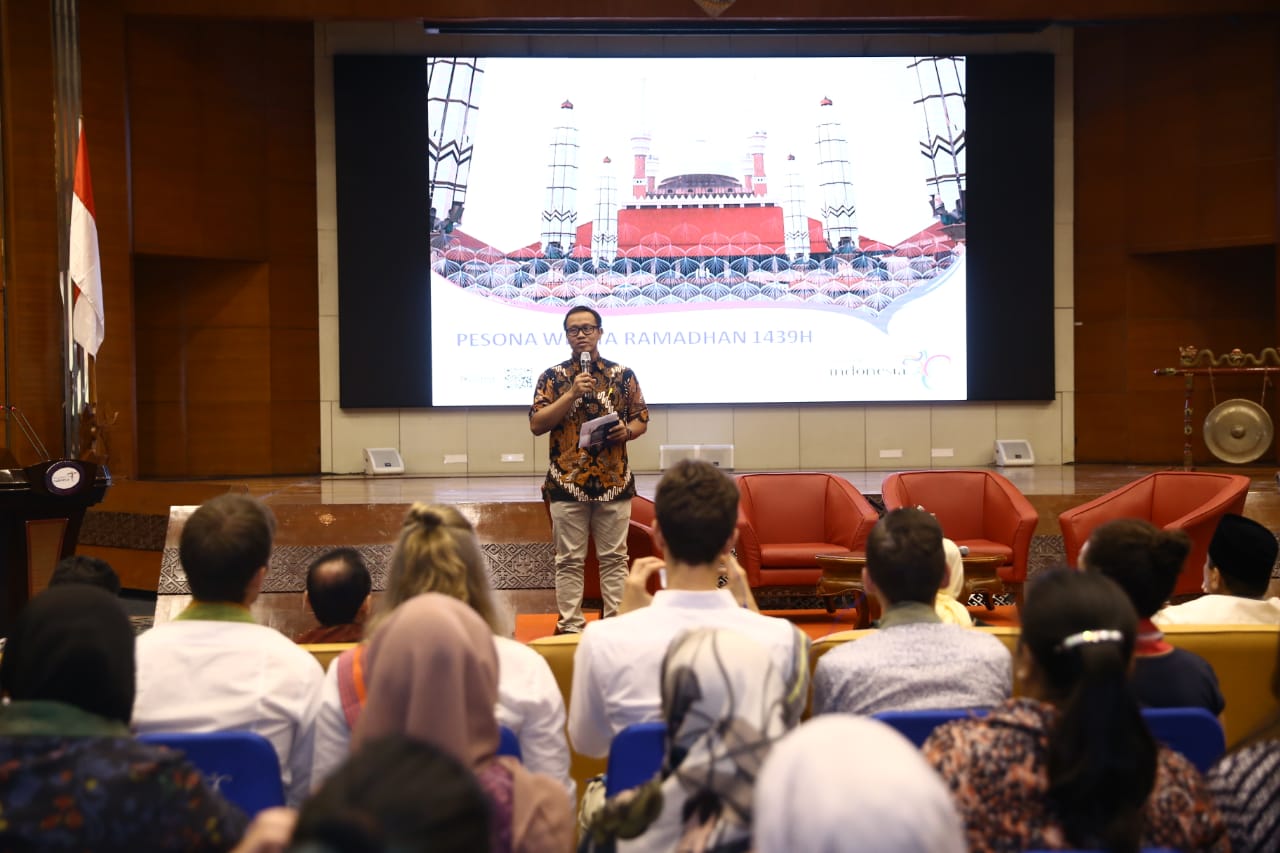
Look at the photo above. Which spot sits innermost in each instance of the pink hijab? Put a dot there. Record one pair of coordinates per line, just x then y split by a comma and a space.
433, 675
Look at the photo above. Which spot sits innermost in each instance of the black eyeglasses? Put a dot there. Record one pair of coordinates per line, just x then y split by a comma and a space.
573, 331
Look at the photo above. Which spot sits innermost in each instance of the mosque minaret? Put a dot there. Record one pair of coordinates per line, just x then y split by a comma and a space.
796, 221
839, 217
560, 212
604, 228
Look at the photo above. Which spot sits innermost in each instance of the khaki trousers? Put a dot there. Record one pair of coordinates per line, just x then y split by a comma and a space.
571, 523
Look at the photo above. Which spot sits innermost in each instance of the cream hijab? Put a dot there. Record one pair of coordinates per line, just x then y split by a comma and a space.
948, 605
847, 784
725, 703
433, 675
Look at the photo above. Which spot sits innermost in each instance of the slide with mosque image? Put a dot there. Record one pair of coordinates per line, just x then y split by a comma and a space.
751, 230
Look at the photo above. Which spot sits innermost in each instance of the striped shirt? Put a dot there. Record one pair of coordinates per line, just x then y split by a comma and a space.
1246, 785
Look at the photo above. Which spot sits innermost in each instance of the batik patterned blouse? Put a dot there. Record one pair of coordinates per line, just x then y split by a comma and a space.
600, 472
997, 769
93, 787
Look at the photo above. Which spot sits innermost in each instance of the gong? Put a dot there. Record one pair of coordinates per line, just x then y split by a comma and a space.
1238, 431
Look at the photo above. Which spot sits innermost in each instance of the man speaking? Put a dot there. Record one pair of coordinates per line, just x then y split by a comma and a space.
592, 407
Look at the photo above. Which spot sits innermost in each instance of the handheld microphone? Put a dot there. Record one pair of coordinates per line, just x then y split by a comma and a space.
584, 361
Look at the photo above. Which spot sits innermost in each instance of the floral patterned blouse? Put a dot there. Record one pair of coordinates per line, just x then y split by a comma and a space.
600, 472
73, 781
996, 768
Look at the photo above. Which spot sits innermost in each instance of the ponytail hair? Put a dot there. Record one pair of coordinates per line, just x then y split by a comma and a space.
438, 552
1080, 629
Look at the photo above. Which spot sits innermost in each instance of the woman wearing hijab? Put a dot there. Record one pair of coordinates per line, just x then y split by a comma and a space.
1071, 763
725, 703
438, 552
433, 676
803, 795
71, 777
948, 605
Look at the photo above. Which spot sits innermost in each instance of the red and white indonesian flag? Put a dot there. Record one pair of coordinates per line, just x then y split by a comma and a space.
87, 325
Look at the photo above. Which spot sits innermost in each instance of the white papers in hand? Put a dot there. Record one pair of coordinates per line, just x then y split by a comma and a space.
595, 432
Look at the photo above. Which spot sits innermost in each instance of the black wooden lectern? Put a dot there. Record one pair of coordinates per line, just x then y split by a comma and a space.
41, 508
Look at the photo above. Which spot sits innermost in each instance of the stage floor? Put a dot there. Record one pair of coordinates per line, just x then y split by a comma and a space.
1044, 480
317, 513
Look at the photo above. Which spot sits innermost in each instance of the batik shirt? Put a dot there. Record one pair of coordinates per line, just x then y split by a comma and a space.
997, 769
598, 473
1246, 786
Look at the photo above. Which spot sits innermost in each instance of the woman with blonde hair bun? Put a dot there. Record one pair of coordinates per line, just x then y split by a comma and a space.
437, 551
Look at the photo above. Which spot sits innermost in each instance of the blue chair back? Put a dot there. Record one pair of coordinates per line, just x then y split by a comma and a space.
242, 766
508, 743
916, 726
1194, 732
635, 756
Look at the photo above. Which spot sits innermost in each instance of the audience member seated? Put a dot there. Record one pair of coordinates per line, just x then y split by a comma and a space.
1146, 561
846, 784
438, 552
948, 605
397, 794
1071, 763
1245, 783
433, 676
618, 662
915, 661
725, 701
80, 568
1236, 575
338, 588
213, 668
73, 778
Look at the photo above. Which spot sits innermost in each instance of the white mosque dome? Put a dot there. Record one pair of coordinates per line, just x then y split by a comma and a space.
702, 157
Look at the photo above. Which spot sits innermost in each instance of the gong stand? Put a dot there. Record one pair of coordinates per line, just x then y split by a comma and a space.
1195, 362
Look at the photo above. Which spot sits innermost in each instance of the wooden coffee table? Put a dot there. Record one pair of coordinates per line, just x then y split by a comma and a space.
842, 575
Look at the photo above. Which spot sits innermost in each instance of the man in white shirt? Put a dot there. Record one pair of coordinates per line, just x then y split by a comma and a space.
213, 668
1237, 572
915, 661
616, 669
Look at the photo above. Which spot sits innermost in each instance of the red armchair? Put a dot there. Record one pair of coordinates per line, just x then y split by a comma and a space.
1193, 501
978, 509
786, 520
639, 544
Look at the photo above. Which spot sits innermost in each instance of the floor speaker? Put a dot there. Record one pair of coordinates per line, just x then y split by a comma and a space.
1014, 452
383, 460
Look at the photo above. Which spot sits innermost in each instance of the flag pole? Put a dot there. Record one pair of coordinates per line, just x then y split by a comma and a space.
67, 110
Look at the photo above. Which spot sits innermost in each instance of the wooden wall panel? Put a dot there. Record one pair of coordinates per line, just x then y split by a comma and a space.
294, 298
31, 226
229, 365
225, 210
1201, 134
1164, 183
162, 439
293, 370
102, 83
294, 447
228, 437
223, 294
198, 127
